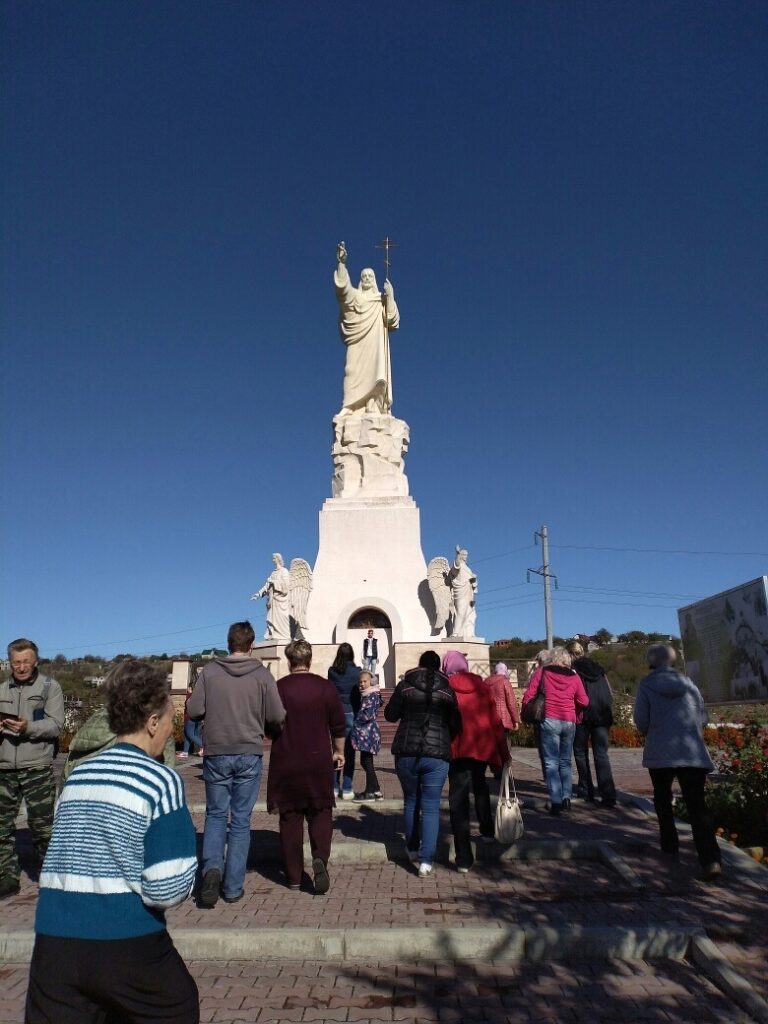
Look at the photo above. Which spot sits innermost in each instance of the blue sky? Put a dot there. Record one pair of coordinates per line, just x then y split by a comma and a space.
578, 190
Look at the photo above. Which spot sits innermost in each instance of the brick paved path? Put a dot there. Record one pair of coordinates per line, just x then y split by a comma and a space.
562, 894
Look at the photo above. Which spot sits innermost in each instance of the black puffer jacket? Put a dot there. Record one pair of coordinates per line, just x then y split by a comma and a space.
429, 716
600, 710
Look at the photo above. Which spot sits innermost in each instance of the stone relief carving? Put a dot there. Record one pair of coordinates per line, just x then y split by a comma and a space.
368, 456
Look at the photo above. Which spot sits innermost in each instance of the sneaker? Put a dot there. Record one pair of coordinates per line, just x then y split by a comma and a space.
462, 871
566, 805
413, 856
233, 899
9, 887
711, 871
378, 795
181, 756
294, 888
608, 803
424, 870
210, 889
322, 881
362, 798
555, 808
347, 794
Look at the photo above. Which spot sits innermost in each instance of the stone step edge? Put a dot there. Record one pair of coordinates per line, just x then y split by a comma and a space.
511, 943
361, 851
668, 941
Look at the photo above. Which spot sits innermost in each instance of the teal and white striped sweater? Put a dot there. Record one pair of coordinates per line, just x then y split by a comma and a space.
123, 849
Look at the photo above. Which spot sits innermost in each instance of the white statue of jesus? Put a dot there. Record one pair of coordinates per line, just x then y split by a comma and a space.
365, 319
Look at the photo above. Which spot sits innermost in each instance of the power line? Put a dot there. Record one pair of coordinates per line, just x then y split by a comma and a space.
631, 593
135, 639
613, 604
503, 554
663, 551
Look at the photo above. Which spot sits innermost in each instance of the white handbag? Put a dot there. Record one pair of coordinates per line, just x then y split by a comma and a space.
509, 813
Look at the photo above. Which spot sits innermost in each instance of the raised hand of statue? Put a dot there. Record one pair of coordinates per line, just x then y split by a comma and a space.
388, 290
341, 253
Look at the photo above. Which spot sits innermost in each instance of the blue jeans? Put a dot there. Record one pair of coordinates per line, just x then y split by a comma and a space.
369, 664
422, 779
231, 788
557, 748
192, 737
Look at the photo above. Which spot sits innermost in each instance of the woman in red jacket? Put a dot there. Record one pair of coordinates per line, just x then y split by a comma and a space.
565, 698
480, 742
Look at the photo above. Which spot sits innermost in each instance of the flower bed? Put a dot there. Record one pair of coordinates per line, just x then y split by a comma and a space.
737, 796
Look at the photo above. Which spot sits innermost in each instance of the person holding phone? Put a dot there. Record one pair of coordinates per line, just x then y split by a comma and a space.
31, 718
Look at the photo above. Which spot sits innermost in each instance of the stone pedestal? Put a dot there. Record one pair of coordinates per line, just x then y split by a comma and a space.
368, 456
369, 557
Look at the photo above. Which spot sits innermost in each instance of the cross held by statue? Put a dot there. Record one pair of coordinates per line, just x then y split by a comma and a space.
386, 245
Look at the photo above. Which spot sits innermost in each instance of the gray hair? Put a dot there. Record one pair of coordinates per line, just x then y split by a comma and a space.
560, 657
661, 655
299, 654
543, 657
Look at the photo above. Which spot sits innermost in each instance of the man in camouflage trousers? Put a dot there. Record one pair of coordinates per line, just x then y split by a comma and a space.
31, 717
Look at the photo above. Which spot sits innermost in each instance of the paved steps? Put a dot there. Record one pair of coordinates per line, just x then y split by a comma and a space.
581, 920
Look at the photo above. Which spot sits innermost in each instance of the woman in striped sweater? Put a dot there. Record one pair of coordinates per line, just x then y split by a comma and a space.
122, 852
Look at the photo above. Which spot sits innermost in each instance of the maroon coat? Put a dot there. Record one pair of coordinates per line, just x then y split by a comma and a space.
300, 763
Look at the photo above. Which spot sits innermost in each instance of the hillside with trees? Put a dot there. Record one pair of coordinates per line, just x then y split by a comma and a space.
622, 657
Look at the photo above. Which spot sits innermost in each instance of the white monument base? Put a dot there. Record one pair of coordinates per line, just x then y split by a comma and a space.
403, 656
370, 557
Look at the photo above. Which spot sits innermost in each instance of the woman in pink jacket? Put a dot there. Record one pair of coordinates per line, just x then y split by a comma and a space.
504, 698
564, 700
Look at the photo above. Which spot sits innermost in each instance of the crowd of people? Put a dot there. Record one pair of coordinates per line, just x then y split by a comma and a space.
122, 847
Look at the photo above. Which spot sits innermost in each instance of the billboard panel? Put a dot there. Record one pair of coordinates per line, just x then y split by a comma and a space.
725, 643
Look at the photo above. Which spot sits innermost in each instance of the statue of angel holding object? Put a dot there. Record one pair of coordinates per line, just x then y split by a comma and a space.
287, 593
454, 589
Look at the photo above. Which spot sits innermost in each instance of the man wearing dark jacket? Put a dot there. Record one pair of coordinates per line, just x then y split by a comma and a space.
237, 699
595, 727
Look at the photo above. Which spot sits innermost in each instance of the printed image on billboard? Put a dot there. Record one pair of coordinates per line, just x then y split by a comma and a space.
725, 643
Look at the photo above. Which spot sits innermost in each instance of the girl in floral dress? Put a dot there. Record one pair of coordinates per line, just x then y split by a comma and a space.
366, 736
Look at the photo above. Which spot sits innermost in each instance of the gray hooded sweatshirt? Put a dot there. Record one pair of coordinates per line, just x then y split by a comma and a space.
236, 698
670, 713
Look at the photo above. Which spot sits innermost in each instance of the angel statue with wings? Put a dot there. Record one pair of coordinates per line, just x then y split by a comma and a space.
287, 594
454, 589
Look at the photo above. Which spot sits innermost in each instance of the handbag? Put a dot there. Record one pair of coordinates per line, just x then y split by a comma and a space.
509, 813
535, 710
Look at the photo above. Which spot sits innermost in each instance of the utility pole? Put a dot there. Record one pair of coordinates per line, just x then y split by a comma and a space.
546, 575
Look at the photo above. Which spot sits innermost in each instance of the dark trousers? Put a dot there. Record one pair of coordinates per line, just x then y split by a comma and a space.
119, 981
537, 738
598, 735
465, 774
349, 753
320, 828
692, 782
371, 779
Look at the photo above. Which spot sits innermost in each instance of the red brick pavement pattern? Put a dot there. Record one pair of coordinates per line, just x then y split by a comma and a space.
628, 773
270, 990
544, 892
